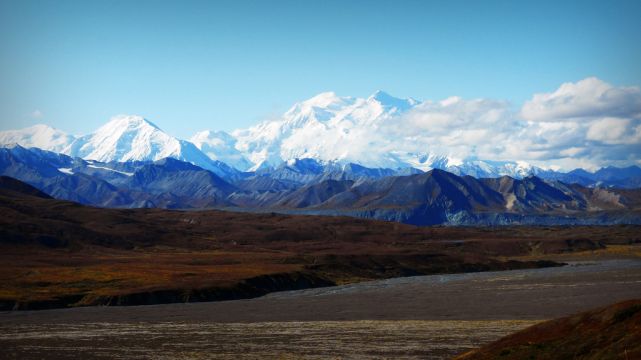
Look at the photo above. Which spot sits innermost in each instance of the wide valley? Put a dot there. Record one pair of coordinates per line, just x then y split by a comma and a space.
420, 317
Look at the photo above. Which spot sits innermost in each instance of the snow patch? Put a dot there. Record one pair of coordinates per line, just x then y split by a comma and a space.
108, 169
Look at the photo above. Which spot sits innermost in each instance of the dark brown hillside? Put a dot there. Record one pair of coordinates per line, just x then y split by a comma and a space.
57, 253
611, 332
9, 184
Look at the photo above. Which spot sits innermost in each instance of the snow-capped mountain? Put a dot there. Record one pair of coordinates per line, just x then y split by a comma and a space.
39, 136
221, 146
326, 127
130, 137
491, 169
377, 132
126, 138
333, 129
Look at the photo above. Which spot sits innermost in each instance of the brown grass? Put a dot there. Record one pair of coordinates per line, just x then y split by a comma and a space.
611, 332
50, 249
53, 273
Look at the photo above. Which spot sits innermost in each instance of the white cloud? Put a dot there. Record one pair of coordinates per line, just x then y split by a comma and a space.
588, 98
456, 128
36, 114
609, 131
588, 124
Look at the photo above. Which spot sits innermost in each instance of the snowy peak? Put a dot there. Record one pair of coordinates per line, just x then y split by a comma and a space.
41, 136
493, 169
326, 127
388, 101
324, 100
124, 138
321, 107
134, 138
123, 123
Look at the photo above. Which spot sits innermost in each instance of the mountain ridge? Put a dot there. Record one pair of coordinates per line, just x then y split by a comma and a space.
306, 187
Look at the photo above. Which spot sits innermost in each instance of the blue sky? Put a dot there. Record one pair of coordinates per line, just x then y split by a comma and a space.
193, 65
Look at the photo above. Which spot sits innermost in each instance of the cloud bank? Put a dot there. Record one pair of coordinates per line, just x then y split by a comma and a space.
587, 124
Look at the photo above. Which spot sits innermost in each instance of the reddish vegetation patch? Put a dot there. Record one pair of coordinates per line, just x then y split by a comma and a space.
56, 253
611, 332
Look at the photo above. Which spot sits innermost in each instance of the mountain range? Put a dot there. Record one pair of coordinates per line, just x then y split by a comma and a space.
310, 187
326, 128
320, 157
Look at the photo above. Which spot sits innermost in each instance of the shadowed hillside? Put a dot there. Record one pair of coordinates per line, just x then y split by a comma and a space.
58, 253
611, 332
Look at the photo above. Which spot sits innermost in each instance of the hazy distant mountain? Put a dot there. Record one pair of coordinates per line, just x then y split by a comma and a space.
628, 177
219, 145
40, 136
304, 171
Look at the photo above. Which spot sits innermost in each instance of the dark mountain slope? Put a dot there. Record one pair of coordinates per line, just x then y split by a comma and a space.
611, 332
167, 183
435, 188
182, 181
439, 197
53, 174
315, 194
434, 197
9, 185
530, 193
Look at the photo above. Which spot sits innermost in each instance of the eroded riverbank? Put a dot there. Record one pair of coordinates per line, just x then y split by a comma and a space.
434, 317
504, 295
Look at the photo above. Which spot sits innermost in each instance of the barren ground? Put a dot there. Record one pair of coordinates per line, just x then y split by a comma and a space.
433, 317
